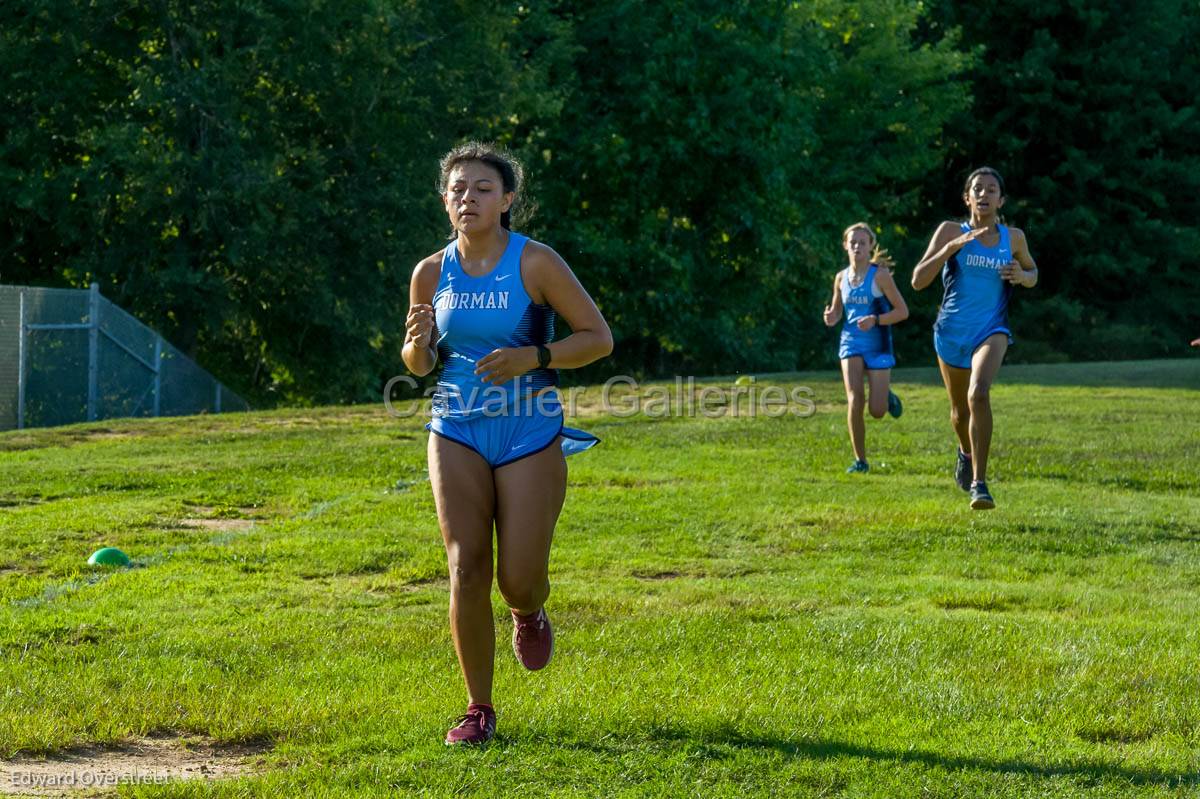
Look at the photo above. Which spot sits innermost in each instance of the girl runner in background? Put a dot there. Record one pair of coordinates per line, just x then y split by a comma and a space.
980, 261
872, 303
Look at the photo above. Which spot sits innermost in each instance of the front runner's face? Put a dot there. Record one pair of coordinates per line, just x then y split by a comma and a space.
858, 247
475, 197
983, 197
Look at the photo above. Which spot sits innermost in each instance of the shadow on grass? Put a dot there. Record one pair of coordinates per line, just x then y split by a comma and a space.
1175, 373
1178, 373
720, 745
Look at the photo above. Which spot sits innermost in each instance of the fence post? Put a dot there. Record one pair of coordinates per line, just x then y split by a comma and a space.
93, 349
217, 403
21, 360
157, 375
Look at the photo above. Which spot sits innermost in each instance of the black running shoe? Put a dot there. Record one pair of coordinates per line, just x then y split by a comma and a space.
980, 498
895, 406
962, 471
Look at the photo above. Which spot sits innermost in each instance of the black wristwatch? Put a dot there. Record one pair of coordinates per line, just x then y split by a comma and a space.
543, 356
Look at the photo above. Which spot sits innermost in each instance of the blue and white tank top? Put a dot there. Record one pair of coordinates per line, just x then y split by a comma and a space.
860, 302
976, 297
476, 315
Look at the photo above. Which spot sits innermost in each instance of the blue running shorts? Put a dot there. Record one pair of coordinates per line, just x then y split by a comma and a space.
873, 360
529, 426
957, 349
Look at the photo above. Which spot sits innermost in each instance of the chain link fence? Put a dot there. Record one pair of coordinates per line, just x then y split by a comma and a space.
70, 355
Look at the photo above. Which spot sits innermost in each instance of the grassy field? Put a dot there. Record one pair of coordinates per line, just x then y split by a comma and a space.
735, 615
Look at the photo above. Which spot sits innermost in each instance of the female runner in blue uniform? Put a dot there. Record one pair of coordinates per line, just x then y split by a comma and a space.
981, 260
867, 292
484, 307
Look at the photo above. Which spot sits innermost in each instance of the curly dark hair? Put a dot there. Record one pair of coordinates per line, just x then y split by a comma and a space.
512, 174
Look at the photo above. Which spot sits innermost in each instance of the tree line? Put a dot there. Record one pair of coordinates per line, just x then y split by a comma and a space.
256, 180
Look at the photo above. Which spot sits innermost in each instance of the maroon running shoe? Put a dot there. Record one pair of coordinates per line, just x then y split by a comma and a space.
533, 640
476, 726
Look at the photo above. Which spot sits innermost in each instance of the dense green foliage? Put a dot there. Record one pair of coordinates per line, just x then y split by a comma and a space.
1089, 110
703, 192
257, 180
245, 178
735, 616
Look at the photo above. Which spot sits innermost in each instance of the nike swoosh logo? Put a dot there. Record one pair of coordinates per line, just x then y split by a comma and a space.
506, 277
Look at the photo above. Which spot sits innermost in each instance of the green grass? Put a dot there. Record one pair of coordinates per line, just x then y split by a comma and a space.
735, 616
